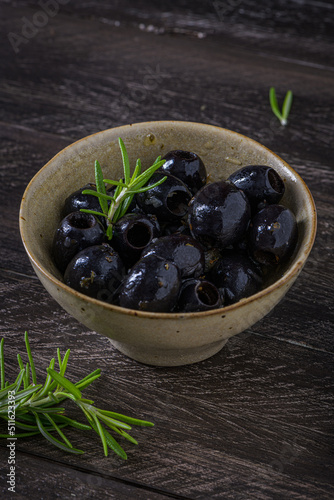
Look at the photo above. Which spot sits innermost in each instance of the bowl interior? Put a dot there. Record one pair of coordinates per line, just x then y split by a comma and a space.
222, 151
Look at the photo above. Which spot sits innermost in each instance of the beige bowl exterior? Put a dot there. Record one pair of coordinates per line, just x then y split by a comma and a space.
161, 339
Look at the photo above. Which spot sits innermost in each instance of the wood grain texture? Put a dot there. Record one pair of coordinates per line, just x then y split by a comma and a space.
256, 420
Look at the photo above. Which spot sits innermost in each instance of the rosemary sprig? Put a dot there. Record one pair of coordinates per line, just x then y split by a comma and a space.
287, 103
36, 407
125, 188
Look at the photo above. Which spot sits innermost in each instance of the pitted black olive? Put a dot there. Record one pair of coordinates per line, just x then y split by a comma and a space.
132, 234
219, 214
76, 201
260, 183
152, 284
76, 231
198, 295
236, 276
273, 235
185, 252
207, 240
187, 166
96, 271
178, 227
211, 256
168, 201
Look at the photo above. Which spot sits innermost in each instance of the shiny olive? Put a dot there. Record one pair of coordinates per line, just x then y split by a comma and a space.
132, 234
236, 276
187, 166
76, 231
76, 201
198, 295
152, 284
219, 214
273, 235
260, 183
184, 251
168, 201
96, 271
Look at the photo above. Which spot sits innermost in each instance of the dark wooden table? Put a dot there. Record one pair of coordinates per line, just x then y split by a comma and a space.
256, 420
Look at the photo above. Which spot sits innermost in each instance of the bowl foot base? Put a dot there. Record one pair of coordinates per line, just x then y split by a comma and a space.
169, 357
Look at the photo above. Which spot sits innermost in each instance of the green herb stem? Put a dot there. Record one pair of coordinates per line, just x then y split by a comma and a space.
37, 409
125, 189
287, 103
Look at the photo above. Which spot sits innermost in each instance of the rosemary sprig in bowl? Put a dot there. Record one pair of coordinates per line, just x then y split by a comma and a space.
125, 188
36, 407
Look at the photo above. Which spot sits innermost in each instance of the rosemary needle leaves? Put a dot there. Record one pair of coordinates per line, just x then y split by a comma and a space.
36, 409
287, 103
125, 188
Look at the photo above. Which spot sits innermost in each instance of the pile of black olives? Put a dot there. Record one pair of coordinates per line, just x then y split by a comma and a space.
185, 245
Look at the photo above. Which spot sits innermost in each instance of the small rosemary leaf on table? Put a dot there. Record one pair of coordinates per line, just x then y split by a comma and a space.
19, 380
125, 418
71, 422
53, 440
112, 443
31, 361
63, 365
26, 378
100, 431
287, 103
27, 392
4, 392
92, 376
49, 382
19, 435
65, 383
127, 436
112, 422
61, 434
282, 116
274, 103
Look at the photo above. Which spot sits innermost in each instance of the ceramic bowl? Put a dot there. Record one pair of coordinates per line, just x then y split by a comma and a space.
161, 339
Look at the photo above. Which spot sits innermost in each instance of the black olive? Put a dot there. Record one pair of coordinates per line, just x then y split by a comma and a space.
236, 276
260, 183
76, 231
219, 214
187, 166
76, 201
152, 284
198, 295
178, 227
185, 252
168, 201
273, 235
96, 271
132, 234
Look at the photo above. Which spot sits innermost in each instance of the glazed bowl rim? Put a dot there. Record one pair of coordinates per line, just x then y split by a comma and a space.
288, 275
